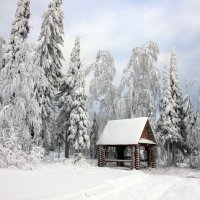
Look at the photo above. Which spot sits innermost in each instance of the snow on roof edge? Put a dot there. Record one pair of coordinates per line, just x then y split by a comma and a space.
146, 141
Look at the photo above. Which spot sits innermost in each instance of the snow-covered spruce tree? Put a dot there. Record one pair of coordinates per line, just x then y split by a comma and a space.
19, 32
49, 57
2, 61
193, 135
72, 103
2, 42
94, 137
164, 129
20, 28
65, 95
190, 119
78, 125
49, 54
20, 111
102, 90
197, 126
140, 87
63, 118
177, 111
13, 152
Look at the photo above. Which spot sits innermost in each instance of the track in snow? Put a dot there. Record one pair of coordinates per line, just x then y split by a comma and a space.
142, 186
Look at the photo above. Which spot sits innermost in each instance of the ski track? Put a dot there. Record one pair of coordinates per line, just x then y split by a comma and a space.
141, 186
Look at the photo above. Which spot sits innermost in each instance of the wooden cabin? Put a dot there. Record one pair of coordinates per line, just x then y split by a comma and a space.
133, 134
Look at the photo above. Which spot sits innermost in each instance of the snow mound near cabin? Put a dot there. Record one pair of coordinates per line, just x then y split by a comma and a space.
64, 162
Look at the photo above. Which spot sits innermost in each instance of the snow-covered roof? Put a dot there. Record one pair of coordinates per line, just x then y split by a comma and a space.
124, 132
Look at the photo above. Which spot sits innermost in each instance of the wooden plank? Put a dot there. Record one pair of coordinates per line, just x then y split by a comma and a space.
153, 164
117, 160
115, 145
114, 160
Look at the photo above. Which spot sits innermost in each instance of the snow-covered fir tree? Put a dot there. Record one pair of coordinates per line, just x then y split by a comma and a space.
17, 86
140, 86
177, 112
190, 118
102, 90
49, 54
20, 111
193, 138
78, 126
190, 121
65, 95
164, 130
177, 107
20, 28
94, 137
19, 32
49, 58
2, 43
197, 126
63, 117
72, 119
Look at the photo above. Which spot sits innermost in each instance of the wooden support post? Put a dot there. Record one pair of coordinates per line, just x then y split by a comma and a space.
101, 156
153, 155
137, 157
132, 157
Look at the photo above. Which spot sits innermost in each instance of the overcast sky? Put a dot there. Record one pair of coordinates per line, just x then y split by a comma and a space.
120, 25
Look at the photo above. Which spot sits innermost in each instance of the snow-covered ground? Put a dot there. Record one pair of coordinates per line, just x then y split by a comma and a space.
86, 182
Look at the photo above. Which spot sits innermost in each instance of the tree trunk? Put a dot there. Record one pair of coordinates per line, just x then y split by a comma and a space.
173, 154
168, 154
59, 146
67, 146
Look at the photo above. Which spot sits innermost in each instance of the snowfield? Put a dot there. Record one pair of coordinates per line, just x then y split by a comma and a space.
86, 182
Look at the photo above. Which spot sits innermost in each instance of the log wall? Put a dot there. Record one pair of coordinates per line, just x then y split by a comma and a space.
101, 156
137, 157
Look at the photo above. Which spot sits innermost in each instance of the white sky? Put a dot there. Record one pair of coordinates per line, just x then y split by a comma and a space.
120, 25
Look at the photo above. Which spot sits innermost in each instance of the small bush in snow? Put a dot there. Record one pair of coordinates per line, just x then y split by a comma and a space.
13, 153
37, 155
195, 162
